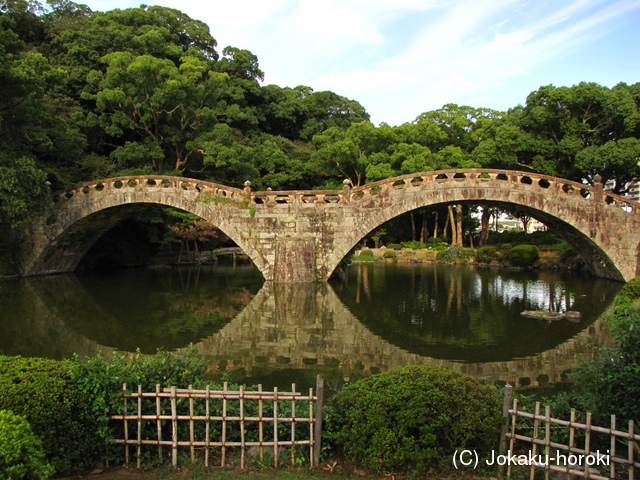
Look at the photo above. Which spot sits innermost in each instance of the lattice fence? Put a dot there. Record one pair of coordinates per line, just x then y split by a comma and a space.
540, 443
260, 424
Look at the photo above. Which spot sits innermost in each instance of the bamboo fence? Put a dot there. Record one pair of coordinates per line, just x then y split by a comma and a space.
243, 419
536, 438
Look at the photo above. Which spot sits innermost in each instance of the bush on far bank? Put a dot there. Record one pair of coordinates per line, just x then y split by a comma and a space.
524, 255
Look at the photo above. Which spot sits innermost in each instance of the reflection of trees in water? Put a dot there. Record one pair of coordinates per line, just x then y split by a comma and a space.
145, 309
467, 314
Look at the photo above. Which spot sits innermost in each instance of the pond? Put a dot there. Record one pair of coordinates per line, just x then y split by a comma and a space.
375, 318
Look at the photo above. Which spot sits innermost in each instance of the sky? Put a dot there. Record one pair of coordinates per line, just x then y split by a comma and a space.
400, 58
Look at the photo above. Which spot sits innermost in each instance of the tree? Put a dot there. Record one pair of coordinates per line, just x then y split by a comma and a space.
454, 126
194, 231
359, 154
617, 160
23, 191
572, 132
160, 108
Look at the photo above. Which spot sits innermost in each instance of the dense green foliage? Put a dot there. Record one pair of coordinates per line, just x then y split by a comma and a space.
412, 418
21, 453
101, 378
524, 255
519, 237
43, 392
631, 290
610, 384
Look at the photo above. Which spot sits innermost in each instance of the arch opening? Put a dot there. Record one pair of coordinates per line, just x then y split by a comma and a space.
595, 260
137, 235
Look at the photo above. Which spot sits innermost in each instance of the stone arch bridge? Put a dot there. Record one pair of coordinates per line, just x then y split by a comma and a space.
301, 236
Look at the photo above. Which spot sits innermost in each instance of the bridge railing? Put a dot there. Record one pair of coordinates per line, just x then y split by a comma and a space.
480, 177
272, 197
153, 181
439, 178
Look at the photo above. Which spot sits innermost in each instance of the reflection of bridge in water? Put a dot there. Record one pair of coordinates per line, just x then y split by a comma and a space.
283, 327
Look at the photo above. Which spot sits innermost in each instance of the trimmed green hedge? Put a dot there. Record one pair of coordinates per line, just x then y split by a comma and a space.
391, 254
413, 418
524, 255
43, 392
21, 453
631, 290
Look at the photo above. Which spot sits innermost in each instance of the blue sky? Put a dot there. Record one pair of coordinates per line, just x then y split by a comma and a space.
403, 57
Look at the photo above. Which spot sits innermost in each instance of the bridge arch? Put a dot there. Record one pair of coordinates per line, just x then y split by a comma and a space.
602, 226
301, 236
82, 215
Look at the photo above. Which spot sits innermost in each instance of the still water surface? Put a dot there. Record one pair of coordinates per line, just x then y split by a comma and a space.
376, 317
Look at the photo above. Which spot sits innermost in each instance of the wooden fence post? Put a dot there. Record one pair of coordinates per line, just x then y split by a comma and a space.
508, 395
317, 433
174, 428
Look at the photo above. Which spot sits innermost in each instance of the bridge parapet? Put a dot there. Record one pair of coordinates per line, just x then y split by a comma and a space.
315, 197
321, 198
153, 181
511, 178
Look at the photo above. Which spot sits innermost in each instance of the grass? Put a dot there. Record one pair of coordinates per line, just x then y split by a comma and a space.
197, 471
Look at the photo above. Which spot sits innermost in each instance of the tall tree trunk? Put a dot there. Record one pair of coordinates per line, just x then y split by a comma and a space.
435, 228
484, 225
413, 227
459, 236
424, 231
451, 223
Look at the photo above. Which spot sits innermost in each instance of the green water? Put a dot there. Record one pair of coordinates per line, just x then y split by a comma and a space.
377, 317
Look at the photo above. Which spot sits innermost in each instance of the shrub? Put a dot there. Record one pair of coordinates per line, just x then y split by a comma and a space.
466, 254
524, 255
43, 391
610, 384
450, 255
365, 255
414, 244
21, 453
436, 241
487, 251
412, 418
101, 378
631, 290
543, 237
565, 249
394, 246
390, 254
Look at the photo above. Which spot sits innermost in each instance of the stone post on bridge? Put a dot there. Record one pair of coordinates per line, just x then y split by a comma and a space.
346, 190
